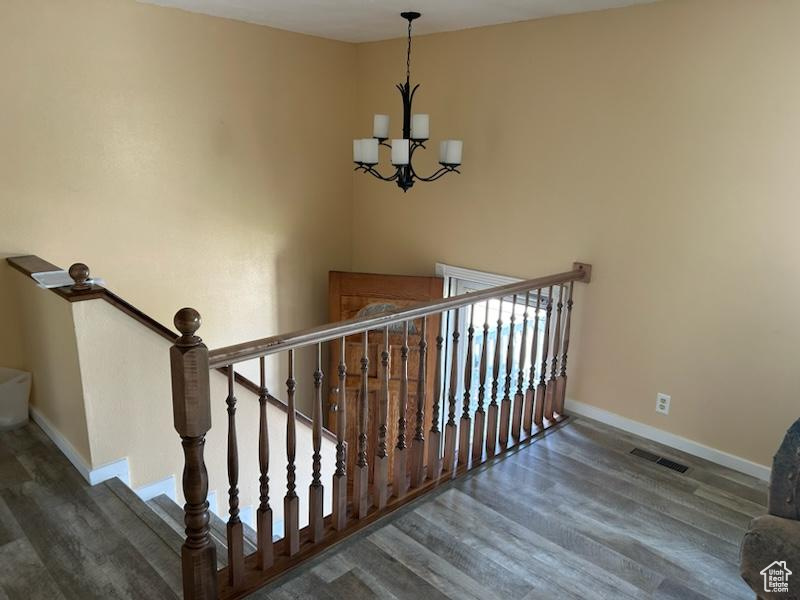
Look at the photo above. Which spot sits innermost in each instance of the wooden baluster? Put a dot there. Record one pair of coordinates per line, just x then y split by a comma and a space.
505, 405
541, 389
435, 436
491, 430
561, 393
530, 393
418, 443
340, 476
480, 413
291, 511
361, 479
235, 531
264, 513
519, 397
450, 428
550, 400
380, 479
466, 421
191, 407
400, 484
316, 489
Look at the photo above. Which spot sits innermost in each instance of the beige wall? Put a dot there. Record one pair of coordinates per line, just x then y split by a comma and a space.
188, 160
51, 347
658, 142
139, 425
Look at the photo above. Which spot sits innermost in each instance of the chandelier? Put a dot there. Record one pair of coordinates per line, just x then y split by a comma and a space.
415, 134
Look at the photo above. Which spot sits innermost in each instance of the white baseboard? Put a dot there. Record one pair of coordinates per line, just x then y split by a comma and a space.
719, 457
151, 490
62, 443
118, 468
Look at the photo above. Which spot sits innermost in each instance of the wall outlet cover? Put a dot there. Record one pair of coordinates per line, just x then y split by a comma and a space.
662, 403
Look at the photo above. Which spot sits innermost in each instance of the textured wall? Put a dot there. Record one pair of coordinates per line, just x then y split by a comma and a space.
658, 142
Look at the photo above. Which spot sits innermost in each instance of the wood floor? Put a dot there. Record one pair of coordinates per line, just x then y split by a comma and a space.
62, 539
571, 516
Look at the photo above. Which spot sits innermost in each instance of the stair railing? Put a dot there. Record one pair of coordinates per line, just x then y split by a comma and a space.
480, 433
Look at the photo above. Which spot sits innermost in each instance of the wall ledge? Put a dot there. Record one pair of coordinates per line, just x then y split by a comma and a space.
725, 459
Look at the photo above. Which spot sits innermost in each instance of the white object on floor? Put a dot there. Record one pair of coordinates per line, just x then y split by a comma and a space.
15, 390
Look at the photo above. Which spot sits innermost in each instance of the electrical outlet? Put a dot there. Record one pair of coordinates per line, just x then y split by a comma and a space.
662, 403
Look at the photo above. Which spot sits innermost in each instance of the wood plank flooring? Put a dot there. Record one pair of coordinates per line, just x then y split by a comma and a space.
62, 539
571, 516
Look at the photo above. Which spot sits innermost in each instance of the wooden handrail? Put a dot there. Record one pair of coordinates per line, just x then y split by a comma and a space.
236, 353
30, 264
366, 488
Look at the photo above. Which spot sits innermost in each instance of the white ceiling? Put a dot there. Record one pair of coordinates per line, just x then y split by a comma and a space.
370, 20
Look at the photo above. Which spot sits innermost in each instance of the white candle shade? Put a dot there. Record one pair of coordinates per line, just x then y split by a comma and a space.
357, 154
369, 151
399, 152
450, 152
380, 126
419, 127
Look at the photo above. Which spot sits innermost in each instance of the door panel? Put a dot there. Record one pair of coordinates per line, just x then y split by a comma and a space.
356, 294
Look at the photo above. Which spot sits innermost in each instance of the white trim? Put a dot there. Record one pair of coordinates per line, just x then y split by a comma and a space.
719, 457
151, 490
118, 468
488, 279
62, 443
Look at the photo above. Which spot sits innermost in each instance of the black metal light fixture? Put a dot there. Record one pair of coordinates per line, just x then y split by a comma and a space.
415, 134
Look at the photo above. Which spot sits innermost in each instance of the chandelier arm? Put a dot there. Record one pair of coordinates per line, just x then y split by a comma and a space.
375, 173
438, 174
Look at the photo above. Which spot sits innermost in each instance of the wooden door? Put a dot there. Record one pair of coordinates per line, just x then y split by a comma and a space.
356, 294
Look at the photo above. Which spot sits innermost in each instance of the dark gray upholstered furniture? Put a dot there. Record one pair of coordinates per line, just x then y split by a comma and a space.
776, 537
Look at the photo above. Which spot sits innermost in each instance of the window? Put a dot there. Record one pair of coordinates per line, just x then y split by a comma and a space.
462, 281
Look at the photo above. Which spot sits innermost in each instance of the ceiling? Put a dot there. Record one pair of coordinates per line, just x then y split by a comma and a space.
371, 20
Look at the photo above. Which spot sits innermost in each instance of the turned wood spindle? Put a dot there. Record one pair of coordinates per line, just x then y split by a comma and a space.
291, 510
264, 513
340, 475
530, 393
400, 471
550, 400
361, 476
466, 421
235, 530
450, 428
418, 443
491, 429
316, 489
519, 397
541, 389
561, 388
435, 436
79, 273
380, 479
505, 404
191, 407
480, 413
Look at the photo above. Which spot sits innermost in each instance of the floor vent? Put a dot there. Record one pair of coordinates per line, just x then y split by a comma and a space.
671, 464
645, 455
660, 460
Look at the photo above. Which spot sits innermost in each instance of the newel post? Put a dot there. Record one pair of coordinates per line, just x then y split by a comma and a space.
191, 404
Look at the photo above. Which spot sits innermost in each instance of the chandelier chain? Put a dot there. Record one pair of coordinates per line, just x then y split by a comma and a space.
408, 54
